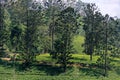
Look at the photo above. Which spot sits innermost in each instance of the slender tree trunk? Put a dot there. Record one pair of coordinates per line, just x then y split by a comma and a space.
52, 32
92, 46
90, 57
1, 28
66, 47
64, 67
106, 52
52, 36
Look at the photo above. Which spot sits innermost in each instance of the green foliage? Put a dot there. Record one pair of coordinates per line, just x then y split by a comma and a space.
4, 29
101, 62
31, 20
77, 44
17, 35
43, 39
5, 26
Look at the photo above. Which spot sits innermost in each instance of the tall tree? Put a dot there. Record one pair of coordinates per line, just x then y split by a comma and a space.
53, 7
33, 20
18, 26
89, 24
66, 26
105, 42
115, 39
4, 25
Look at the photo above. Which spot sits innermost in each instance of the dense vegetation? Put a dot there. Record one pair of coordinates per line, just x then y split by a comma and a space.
52, 39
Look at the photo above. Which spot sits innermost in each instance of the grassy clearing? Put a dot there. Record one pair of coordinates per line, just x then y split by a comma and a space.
83, 58
77, 58
44, 57
53, 72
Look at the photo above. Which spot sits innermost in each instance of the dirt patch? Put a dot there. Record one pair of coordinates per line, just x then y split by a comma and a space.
6, 59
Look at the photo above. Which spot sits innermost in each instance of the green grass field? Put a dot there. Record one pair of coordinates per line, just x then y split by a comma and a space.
53, 72
81, 68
